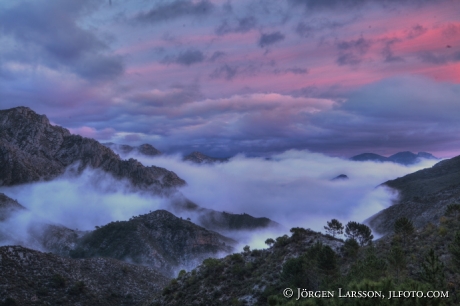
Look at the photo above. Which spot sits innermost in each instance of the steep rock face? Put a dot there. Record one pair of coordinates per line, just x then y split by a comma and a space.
423, 196
31, 149
30, 277
158, 239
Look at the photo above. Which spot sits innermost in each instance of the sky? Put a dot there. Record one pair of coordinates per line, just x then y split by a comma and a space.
258, 77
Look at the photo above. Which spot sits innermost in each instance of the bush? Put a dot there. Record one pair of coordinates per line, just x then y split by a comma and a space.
77, 288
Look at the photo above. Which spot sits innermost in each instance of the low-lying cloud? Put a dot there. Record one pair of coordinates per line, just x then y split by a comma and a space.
294, 188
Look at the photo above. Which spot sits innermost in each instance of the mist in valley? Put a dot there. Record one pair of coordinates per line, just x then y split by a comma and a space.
294, 188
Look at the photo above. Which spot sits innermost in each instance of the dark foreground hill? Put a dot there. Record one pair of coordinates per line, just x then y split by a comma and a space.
403, 158
30, 277
420, 262
31, 149
157, 239
423, 195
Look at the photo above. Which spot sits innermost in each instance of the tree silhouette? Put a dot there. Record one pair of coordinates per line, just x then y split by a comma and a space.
433, 269
404, 228
397, 259
454, 249
359, 232
269, 242
334, 227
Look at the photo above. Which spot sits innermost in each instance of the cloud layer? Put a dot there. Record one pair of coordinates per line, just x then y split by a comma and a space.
294, 188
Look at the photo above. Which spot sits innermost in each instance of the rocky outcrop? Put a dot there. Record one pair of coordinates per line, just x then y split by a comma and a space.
340, 177
8, 206
31, 277
158, 239
200, 158
31, 149
123, 149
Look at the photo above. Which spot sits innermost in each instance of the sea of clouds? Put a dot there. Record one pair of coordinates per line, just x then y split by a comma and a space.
294, 188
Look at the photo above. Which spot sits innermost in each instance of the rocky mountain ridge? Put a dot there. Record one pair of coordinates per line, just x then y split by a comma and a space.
31, 149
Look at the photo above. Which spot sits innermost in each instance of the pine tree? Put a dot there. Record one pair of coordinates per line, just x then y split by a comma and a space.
360, 232
404, 228
454, 249
433, 269
334, 227
269, 242
397, 259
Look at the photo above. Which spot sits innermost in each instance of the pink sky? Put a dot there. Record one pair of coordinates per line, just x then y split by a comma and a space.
240, 76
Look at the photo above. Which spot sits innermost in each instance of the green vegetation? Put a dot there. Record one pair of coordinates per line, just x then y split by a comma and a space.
404, 228
407, 260
334, 227
359, 232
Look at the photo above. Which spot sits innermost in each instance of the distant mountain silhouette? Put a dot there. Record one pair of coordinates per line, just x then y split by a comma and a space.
200, 158
403, 158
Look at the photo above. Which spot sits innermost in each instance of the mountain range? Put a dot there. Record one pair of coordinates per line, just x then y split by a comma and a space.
132, 262
403, 158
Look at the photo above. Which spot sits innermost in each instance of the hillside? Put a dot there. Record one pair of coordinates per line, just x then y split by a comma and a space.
30, 277
158, 239
420, 261
423, 195
31, 149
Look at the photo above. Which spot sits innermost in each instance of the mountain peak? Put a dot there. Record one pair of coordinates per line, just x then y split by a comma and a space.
31, 149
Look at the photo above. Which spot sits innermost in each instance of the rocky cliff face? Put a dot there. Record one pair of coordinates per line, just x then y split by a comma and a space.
158, 239
31, 149
30, 277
